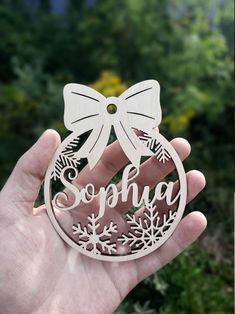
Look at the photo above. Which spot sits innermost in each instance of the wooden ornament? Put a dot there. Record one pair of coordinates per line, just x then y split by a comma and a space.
106, 216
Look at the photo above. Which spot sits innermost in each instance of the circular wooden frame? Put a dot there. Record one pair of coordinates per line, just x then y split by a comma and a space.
118, 258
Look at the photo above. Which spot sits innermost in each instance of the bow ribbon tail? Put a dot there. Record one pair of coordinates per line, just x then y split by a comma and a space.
130, 143
99, 145
95, 145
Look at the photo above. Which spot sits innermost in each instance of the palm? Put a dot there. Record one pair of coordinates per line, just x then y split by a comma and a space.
41, 274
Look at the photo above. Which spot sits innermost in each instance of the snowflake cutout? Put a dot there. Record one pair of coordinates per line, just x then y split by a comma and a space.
156, 147
145, 232
89, 237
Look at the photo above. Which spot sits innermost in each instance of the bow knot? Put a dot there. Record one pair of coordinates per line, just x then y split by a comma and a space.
138, 108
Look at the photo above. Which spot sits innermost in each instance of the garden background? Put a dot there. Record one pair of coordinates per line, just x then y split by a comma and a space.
188, 47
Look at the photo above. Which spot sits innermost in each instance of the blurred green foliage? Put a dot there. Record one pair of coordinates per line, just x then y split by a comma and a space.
188, 47
193, 283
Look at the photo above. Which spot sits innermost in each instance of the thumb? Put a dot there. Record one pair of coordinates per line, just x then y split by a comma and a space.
21, 190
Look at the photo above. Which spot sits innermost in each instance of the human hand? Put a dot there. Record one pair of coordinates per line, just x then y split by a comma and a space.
39, 273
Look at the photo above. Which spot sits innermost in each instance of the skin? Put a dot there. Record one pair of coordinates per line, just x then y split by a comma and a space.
39, 273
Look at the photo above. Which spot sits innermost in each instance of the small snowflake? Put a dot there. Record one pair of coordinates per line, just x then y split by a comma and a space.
89, 237
146, 231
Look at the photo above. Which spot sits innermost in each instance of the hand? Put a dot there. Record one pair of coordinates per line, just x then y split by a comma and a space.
39, 273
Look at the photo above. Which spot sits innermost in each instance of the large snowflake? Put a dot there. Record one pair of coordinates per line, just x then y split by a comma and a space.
92, 240
146, 231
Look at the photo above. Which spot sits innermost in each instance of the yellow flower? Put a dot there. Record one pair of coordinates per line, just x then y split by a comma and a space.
109, 84
178, 123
